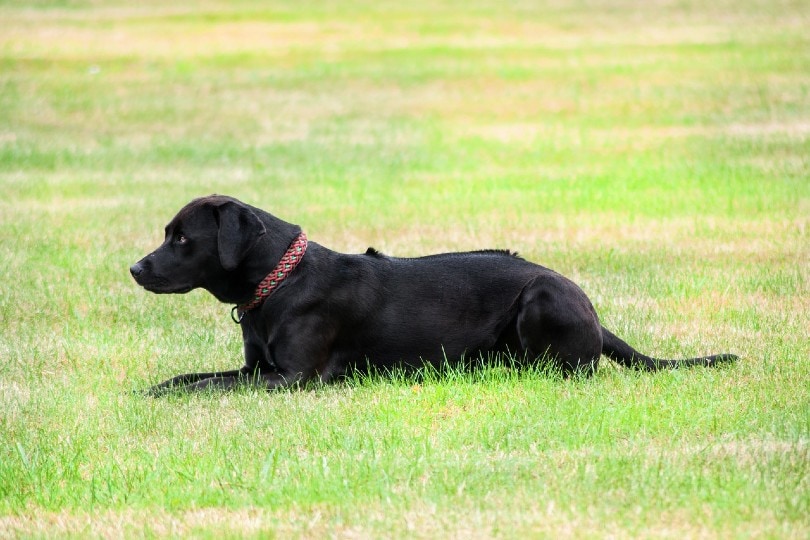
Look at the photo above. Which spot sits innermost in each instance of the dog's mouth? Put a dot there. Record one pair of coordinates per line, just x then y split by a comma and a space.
168, 290
165, 289
159, 285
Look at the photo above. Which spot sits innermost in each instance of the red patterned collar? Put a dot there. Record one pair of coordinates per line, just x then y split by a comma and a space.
287, 264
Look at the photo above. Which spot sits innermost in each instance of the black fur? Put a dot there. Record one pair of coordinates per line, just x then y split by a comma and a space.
336, 312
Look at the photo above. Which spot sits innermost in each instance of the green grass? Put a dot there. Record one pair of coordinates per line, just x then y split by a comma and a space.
655, 152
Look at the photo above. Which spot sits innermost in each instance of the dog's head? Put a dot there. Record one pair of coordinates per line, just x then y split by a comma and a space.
205, 244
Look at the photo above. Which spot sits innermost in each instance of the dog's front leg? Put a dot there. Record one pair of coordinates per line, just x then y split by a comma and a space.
183, 381
300, 359
262, 381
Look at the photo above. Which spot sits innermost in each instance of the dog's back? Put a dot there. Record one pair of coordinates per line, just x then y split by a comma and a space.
437, 306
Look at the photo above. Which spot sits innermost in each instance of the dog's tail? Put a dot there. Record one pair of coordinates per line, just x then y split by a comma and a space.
616, 349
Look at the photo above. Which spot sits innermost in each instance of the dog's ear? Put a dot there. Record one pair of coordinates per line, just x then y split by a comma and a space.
239, 229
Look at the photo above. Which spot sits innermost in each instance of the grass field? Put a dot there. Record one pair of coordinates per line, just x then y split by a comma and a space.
656, 152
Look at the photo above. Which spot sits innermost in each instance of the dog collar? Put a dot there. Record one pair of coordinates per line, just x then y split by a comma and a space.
287, 264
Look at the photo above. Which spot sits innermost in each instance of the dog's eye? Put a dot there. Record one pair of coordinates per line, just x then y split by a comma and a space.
181, 239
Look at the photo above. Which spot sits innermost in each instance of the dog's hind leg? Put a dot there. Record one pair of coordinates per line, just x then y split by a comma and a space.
557, 321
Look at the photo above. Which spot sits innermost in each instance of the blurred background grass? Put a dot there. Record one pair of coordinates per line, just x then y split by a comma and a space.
594, 137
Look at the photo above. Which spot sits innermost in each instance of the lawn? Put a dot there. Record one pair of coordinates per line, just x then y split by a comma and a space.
658, 153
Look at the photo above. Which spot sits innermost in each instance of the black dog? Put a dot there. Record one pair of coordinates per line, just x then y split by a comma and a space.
308, 313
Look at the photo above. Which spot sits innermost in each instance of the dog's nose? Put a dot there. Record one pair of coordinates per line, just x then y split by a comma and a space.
136, 269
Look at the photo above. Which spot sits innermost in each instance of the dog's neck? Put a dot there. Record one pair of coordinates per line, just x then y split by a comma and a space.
238, 286
291, 258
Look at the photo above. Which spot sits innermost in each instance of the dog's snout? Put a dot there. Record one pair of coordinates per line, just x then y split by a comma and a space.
136, 269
